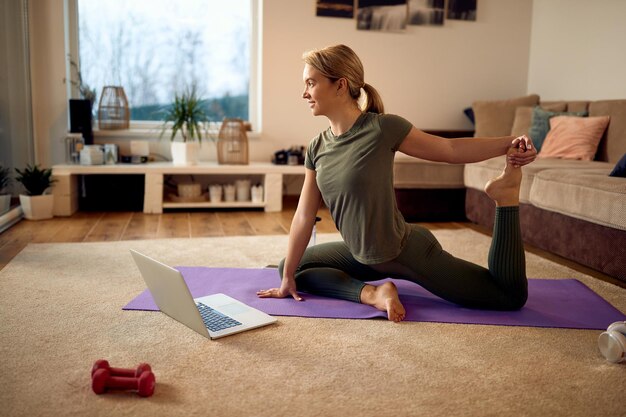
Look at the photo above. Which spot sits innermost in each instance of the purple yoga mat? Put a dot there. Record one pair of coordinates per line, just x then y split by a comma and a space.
565, 303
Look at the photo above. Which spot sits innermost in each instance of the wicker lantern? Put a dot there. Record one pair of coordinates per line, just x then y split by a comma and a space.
232, 143
113, 112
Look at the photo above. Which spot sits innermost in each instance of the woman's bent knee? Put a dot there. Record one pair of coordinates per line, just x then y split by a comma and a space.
517, 300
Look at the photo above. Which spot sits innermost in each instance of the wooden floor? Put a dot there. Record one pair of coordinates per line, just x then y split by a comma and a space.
115, 226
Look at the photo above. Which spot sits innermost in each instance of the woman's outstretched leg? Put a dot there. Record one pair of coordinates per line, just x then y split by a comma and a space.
503, 286
506, 255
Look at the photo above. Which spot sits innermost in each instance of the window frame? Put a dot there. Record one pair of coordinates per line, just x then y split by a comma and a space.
140, 128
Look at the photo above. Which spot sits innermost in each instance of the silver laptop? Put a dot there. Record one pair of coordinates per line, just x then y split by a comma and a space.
212, 316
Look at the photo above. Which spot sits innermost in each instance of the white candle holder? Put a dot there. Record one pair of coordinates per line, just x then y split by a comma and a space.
215, 193
243, 190
257, 193
229, 192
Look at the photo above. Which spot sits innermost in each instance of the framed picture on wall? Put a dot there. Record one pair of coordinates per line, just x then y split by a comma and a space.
462, 9
382, 15
335, 8
426, 12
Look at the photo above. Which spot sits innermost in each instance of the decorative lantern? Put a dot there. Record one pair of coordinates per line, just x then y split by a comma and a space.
113, 110
232, 143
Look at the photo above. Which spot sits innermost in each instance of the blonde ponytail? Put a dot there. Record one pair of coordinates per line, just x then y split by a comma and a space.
374, 103
339, 61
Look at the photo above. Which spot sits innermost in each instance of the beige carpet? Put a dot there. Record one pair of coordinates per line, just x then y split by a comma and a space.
60, 310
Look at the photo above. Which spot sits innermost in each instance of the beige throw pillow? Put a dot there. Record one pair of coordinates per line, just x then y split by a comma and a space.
522, 120
495, 118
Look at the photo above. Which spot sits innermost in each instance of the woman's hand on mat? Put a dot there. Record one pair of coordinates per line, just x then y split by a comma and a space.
287, 288
526, 151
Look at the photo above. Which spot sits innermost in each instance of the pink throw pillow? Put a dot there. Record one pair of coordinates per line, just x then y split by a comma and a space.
573, 137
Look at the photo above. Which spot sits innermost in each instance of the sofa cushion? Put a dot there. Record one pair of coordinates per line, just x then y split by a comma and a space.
554, 105
495, 118
540, 124
620, 168
613, 143
579, 105
574, 137
587, 194
521, 122
524, 115
410, 172
477, 175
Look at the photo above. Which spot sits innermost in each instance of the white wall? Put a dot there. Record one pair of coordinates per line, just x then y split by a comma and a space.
578, 49
427, 74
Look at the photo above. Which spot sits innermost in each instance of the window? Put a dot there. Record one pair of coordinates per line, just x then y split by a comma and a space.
158, 48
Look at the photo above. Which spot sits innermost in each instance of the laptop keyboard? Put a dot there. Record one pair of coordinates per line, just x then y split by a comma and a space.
214, 320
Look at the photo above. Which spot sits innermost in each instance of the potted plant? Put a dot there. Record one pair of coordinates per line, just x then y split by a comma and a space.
38, 203
186, 116
5, 199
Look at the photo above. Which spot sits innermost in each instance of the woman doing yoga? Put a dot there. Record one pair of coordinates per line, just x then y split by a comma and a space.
350, 167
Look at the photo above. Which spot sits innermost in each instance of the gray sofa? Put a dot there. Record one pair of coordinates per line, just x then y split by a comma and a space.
572, 208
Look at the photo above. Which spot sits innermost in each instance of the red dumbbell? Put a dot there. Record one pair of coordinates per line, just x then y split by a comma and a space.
102, 381
103, 364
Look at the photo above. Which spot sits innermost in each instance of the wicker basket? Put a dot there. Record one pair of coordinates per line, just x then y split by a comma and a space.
232, 143
113, 112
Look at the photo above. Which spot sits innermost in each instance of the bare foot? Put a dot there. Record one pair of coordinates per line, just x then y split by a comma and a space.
385, 298
504, 189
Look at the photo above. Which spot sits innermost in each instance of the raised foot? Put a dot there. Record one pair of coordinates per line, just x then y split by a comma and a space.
504, 189
385, 298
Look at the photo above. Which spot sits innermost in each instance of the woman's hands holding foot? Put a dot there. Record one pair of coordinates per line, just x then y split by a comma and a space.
526, 152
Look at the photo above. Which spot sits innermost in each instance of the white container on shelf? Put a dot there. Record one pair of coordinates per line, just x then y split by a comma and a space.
243, 190
185, 153
229, 192
257, 193
92, 155
215, 193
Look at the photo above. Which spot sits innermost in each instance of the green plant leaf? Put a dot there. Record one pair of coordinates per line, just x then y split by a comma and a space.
186, 114
35, 180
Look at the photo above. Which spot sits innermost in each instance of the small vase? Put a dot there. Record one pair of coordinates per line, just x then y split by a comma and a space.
185, 153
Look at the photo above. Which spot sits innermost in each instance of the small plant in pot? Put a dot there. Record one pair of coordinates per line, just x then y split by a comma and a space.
187, 116
37, 203
5, 181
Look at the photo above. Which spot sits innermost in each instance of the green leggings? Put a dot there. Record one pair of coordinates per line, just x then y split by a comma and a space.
329, 269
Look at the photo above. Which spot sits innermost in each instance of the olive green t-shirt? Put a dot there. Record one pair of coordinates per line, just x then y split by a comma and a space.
354, 173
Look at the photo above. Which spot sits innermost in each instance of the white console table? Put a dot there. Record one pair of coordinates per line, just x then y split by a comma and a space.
66, 188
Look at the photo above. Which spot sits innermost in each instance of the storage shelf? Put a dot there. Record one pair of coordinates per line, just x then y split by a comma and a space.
66, 189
